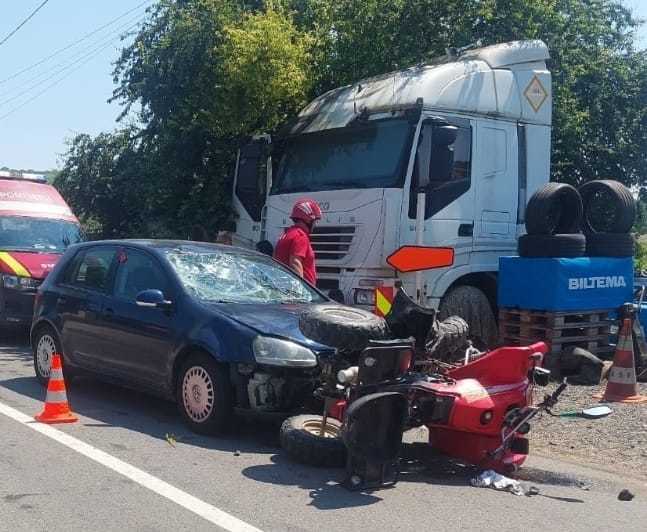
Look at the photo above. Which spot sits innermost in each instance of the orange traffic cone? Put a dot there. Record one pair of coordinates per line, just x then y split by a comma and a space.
56, 410
622, 386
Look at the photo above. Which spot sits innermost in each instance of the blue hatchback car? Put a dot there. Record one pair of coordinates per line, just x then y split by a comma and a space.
212, 327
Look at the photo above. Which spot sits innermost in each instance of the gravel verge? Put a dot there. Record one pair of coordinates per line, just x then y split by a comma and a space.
617, 442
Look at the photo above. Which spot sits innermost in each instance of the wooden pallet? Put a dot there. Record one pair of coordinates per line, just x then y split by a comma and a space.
561, 330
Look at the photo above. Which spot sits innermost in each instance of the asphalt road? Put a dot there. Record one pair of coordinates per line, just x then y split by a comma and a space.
130, 464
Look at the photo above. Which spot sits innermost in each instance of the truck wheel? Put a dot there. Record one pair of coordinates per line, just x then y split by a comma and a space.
471, 304
204, 394
345, 328
610, 245
452, 335
554, 208
609, 207
300, 438
563, 246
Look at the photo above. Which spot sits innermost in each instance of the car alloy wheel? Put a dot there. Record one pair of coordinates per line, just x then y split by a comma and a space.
198, 394
45, 349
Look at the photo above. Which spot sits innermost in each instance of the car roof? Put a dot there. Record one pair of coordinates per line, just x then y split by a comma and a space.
180, 245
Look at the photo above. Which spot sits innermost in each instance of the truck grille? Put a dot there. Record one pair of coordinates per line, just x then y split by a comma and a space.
332, 242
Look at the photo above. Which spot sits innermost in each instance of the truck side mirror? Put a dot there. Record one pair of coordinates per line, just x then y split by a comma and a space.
444, 135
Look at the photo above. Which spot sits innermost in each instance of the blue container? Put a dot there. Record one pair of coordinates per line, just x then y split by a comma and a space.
585, 283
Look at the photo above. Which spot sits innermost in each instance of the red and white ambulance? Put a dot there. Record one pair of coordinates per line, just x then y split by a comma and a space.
36, 227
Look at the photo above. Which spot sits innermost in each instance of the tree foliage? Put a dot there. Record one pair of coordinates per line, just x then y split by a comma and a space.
202, 75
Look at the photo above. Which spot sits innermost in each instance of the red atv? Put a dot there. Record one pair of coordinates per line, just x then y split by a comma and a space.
477, 412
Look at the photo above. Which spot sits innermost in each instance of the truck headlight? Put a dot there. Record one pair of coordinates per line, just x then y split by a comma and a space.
19, 283
364, 296
276, 352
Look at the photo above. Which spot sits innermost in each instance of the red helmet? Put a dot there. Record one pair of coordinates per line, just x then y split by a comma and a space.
306, 210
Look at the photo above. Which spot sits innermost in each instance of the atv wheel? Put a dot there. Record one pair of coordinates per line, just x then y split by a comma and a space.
345, 328
301, 439
452, 335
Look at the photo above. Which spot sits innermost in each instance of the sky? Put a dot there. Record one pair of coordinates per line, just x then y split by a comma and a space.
67, 94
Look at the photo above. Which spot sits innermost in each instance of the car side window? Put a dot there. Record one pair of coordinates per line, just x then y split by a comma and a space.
91, 269
138, 271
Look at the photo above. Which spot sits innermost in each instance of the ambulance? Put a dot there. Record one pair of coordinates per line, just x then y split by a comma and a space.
36, 227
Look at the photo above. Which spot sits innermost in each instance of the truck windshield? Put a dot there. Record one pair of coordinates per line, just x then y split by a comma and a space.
37, 234
370, 155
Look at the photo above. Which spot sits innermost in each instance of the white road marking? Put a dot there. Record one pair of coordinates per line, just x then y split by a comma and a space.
182, 498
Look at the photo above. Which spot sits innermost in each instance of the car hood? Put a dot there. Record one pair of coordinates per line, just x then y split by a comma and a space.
270, 320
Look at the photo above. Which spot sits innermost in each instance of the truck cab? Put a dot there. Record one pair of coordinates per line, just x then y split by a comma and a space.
467, 135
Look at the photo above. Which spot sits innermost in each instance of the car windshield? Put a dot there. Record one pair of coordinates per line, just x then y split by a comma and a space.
372, 155
38, 234
212, 275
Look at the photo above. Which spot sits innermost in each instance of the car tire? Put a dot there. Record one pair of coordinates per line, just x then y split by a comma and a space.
554, 208
471, 304
610, 245
548, 246
344, 328
452, 335
300, 440
609, 207
44, 344
204, 394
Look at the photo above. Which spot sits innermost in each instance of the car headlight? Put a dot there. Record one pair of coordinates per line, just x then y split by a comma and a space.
19, 283
275, 352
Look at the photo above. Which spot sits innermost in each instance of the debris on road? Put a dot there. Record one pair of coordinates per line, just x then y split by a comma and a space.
236, 452
171, 439
492, 479
625, 495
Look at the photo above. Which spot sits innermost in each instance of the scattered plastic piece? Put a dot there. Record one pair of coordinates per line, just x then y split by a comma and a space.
625, 495
236, 453
492, 479
532, 490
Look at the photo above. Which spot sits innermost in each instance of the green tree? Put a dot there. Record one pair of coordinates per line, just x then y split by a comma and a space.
203, 75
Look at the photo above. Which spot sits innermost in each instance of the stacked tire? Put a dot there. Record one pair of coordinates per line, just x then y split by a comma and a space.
594, 221
609, 214
553, 220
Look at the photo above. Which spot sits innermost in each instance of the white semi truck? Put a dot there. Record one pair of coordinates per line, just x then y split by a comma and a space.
435, 161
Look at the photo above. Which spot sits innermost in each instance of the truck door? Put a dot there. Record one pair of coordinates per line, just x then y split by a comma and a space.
250, 191
497, 190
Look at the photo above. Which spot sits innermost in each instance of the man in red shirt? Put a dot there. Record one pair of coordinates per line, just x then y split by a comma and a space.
293, 248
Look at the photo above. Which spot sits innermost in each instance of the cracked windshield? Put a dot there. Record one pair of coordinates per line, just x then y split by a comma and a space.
228, 278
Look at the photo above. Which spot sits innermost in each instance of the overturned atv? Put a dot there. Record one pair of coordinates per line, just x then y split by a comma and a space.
477, 412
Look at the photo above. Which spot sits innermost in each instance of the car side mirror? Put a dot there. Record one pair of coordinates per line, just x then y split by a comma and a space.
152, 299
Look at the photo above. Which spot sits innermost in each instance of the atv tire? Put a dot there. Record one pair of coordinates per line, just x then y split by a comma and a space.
344, 328
610, 245
563, 246
452, 335
301, 441
609, 207
554, 208
471, 304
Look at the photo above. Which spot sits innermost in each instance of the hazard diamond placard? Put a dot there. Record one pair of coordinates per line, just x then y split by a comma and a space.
536, 94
